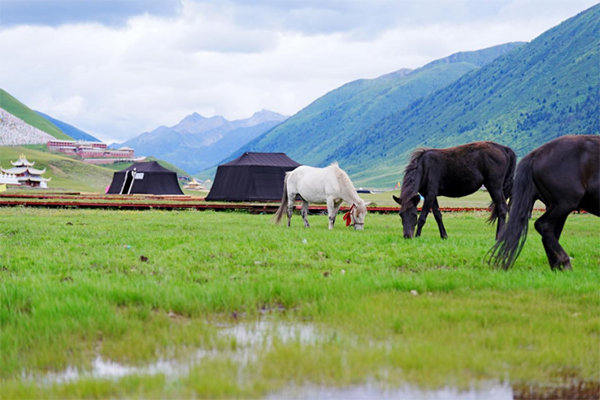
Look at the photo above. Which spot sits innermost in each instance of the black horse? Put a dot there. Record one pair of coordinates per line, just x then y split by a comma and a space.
564, 175
455, 172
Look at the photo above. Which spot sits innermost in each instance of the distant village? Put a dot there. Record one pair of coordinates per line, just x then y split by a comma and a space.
93, 152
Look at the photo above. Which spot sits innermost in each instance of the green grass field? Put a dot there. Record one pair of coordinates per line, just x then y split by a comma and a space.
140, 290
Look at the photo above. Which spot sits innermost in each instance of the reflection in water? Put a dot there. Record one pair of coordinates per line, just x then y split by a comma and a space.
250, 339
496, 392
106, 369
262, 333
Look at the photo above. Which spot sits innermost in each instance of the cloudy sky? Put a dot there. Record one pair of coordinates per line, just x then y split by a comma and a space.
116, 68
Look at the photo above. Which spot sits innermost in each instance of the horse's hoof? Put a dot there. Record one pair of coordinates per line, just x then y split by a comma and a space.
562, 267
567, 266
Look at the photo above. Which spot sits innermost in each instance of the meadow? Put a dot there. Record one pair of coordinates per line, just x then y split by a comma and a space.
156, 304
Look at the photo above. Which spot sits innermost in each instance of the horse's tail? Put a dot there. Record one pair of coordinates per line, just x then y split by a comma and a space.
512, 238
284, 202
507, 186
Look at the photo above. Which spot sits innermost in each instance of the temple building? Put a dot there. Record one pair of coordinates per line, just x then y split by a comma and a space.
194, 185
26, 175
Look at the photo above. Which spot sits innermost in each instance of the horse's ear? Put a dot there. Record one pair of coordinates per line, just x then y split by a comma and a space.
416, 199
368, 203
397, 200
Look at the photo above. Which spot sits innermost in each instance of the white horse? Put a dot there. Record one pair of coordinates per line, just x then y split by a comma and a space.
329, 185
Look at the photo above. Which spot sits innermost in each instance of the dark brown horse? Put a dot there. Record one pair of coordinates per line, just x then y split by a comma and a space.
564, 175
455, 172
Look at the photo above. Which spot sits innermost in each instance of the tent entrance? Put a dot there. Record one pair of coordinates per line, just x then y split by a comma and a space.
127, 185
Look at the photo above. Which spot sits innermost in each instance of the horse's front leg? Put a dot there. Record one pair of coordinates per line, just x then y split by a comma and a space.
333, 206
304, 213
438, 218
427, 204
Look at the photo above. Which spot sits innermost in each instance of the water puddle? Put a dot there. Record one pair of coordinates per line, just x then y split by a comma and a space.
249, 339
362, 392
106, 369
244, 342
263, 333
576, 390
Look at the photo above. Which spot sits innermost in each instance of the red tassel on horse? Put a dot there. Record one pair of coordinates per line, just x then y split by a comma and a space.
348, 216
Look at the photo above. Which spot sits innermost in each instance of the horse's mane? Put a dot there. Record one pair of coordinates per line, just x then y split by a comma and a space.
346, 184
411, 181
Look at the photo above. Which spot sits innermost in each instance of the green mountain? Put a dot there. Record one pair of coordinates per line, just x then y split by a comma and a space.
535, 93
312, 134
20, 110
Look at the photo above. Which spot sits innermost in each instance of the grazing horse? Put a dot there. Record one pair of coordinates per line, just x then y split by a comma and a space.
329, 185
564, 175
455, 172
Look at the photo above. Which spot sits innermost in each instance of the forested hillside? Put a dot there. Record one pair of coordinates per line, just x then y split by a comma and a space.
533, 94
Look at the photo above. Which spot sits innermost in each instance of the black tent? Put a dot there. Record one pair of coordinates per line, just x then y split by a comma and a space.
251, 177
145, 178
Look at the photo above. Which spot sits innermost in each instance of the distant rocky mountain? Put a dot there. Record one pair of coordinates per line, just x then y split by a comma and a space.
315, 132
199, 142
70, 130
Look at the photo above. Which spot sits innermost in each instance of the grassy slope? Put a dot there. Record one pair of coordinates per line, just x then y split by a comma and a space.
312, 134
66, 173
74, 292
20, 110
533, 94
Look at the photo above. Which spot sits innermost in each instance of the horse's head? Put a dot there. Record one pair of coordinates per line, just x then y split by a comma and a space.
359, 212
408, 214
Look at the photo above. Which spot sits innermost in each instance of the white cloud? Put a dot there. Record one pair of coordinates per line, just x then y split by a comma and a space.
116, 82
